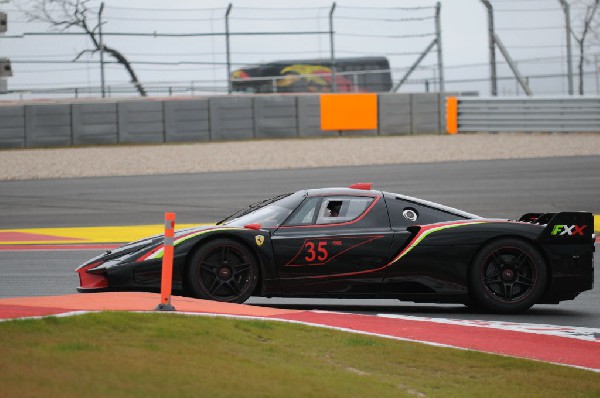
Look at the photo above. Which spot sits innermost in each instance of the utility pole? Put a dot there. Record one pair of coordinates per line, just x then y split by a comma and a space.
332, 49
567, 12
227, 49
492, 48
438, 35
494, 41
597, 73
5, 67
101, 41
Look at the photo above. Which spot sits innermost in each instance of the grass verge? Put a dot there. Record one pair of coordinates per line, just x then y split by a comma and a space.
142, 355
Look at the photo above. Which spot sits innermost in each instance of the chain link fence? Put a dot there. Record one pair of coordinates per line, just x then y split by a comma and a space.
190, 51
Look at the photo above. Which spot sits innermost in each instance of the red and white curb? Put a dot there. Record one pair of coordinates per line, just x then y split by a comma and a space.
573, 332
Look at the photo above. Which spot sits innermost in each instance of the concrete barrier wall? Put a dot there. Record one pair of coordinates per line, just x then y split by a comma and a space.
411, 114
395, 114
309, 116
187, 121
12, 126
218, 118
94, 123
48, 125
426, 113
275, 117
141, 121
231, 118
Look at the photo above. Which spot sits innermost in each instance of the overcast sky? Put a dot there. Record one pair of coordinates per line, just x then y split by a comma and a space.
533, 31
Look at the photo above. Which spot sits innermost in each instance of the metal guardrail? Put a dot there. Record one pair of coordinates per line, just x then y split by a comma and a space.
556, 114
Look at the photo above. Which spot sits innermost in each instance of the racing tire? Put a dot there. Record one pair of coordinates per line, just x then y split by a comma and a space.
222, 270
507, 276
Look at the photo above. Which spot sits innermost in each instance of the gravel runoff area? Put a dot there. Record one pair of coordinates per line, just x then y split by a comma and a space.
19, 164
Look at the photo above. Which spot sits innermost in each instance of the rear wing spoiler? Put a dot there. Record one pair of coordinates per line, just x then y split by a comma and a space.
571, 227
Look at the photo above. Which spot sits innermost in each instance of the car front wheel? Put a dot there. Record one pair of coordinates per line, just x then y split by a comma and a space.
223, 270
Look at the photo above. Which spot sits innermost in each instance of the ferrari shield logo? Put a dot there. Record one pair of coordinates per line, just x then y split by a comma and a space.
260, 240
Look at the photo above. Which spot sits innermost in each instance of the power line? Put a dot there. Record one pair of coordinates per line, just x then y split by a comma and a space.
537, 46
409, 36
209, 54
390, 8
386, 19
171, 35
311, 18
24, 71
512, 77
530, 28
47, 56
114, 18
534, 10
166, 9
132, 62
25, 21
406, 53
521, 1
280, 8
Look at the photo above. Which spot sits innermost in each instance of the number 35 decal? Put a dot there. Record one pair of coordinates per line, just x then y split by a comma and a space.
318, 252
321, 251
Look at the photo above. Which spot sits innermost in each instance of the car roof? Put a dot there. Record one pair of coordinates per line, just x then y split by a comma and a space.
342, 192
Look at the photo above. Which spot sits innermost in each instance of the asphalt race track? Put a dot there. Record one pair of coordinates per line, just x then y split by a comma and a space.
497, 188
501, 188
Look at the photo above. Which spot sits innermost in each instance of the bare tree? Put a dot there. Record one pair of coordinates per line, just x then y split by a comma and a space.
67, 14
589, 24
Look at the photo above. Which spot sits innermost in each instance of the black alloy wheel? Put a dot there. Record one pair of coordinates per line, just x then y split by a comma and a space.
223, 270
507, 276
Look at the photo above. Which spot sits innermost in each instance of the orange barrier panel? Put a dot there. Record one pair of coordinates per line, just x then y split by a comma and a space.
452, 115
167, 265
348, 111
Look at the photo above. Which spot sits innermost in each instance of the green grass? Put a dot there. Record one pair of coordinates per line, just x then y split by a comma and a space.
159, 355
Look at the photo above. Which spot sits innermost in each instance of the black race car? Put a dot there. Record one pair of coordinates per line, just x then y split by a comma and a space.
357, 242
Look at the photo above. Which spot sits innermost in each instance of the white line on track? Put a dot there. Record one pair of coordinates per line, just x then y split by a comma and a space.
573, 332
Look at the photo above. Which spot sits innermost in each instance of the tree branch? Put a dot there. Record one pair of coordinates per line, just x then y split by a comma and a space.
84, 52
123, 61
63, 15
590, 12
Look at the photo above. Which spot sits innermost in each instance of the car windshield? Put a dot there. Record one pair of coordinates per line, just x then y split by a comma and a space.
268, 213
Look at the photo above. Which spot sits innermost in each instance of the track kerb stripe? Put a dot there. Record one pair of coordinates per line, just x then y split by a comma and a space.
167, 265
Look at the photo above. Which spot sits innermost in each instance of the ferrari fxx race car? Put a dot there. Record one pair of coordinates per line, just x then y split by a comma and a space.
357, 242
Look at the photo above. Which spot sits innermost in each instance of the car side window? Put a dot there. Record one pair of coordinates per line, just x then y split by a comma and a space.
336, 209
305, 214
403, 213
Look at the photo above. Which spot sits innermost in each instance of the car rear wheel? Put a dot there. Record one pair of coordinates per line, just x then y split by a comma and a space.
223, 270
507, 276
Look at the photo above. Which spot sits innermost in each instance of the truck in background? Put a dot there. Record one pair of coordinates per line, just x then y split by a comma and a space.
358, 74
